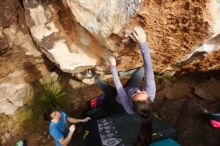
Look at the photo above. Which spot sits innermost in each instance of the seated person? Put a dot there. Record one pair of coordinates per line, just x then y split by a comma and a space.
58, 127
132, 96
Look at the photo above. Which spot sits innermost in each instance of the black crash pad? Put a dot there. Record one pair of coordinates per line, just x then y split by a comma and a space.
127, 127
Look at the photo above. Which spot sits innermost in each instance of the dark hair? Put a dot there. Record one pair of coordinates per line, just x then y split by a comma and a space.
142, 106
47, 115
145, 135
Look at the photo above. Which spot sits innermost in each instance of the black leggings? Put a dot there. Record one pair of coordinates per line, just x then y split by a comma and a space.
107, 102
110, 92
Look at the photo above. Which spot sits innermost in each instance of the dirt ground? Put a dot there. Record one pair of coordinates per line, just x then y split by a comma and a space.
184, 112
178, 107
190, 124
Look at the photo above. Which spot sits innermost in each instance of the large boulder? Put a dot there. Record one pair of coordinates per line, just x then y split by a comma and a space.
78, 35
102, 18
60, 46
36, 35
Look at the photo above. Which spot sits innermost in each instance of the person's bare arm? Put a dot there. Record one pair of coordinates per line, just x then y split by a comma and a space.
65, 141
75, 120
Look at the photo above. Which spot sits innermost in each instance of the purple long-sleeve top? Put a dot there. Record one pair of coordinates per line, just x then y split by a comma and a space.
124, 95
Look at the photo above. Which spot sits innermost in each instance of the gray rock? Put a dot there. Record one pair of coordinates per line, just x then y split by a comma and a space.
12, 96
103, 18
48, 33
208, 90
7, 108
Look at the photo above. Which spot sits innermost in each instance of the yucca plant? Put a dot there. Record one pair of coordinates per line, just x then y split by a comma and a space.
52, 94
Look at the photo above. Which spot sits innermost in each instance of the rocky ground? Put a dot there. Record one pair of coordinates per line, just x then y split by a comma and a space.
180, 106
176, 103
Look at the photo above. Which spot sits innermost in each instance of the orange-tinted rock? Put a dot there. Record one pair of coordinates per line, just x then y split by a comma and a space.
175, 29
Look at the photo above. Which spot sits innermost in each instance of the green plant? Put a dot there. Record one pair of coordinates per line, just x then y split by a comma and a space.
52, 95
23, 114
165, 77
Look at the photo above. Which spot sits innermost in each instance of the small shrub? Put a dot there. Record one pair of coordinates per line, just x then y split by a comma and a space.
52, 95
165, 77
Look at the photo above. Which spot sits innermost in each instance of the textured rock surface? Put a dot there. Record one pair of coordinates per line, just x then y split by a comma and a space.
205, 57
208, 90
102, 18
60, 44
175, 31
80, 35
12, 96
21, 62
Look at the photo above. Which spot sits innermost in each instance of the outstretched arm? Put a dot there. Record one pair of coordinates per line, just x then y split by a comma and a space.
75, 120
149, 86
123, 97
140, 36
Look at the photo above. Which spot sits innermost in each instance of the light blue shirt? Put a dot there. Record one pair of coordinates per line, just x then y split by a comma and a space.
59, 129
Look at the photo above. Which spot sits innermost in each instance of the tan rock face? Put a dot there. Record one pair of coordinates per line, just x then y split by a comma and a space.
12, 96
205, 57
79, 35
21, 62
175, 30
102, 18
68, 47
